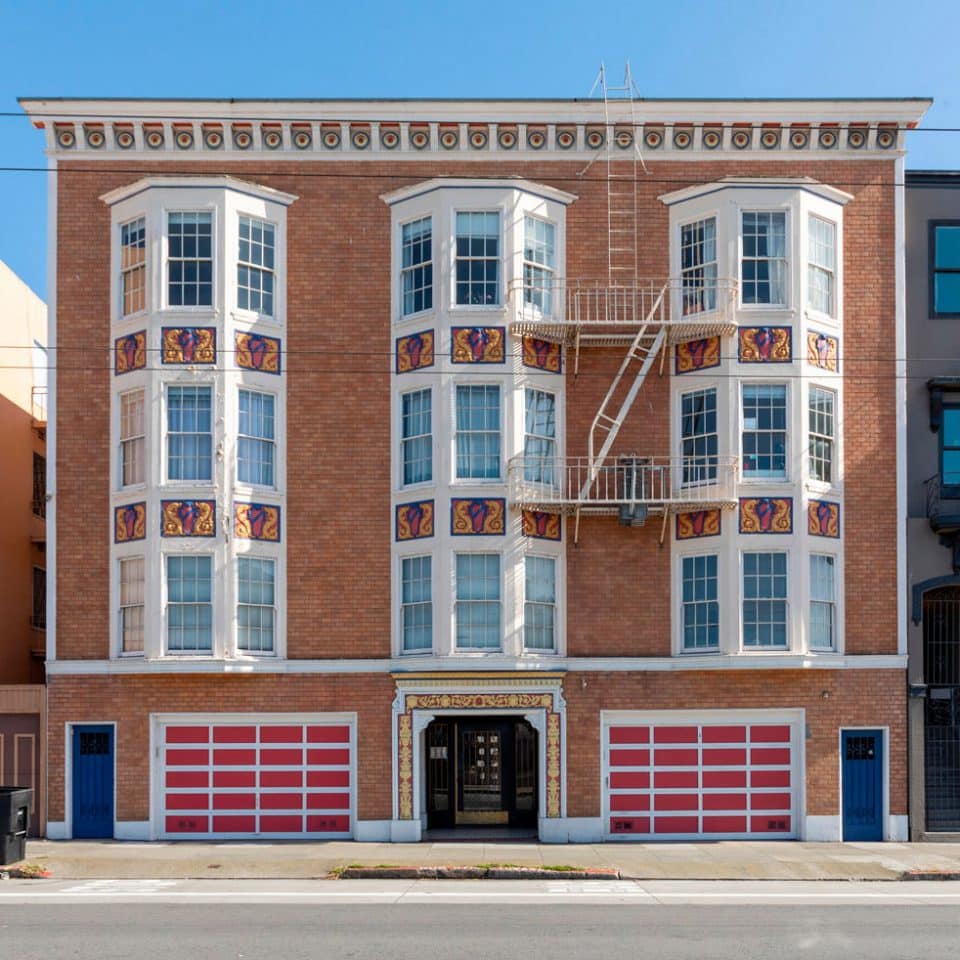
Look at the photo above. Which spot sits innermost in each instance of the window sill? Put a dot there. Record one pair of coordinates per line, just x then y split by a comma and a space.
251, 318
137, 317
130, 490
418, 317
821, 319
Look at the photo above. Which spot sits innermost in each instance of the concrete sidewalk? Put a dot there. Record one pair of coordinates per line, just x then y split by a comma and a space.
727, 860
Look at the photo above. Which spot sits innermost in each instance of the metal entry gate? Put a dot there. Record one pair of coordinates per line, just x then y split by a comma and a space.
941, 670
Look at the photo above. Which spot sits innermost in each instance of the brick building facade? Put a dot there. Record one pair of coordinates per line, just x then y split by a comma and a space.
340, 549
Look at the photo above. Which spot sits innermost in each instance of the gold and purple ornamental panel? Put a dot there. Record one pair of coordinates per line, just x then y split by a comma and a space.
130, 522
697, 355
130, 353
188, 518
259, 353
822, 351
478, 344
189, 345
542, 525
478, 517
698, 523
542, 354
414, 521
765, 344
415, 351
823, 519
256, 521
766, 515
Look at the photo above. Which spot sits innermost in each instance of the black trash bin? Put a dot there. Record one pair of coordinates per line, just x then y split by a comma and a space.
14, 823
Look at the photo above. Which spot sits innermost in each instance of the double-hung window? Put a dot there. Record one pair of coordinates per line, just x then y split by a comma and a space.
478, 613
823, 604
822, 432
416, 436
764, 440
701, 606
416, 271
478, 432
133, 266
765, 600
950, 450
131, 605
540, 603
540, 437
698, 426
190, 433
255, 266
945, 269
132, 438
189, 604
190, 259
763, 264
478, 259
698, 265
256, 604
539, 259
256, 438
416, 603
821, 264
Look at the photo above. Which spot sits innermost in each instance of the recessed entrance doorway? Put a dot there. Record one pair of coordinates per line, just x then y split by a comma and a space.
481, 774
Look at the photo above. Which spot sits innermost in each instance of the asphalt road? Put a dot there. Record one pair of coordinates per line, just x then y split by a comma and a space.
383, 920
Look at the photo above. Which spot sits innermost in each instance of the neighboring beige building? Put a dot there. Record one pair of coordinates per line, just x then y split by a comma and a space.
23, 446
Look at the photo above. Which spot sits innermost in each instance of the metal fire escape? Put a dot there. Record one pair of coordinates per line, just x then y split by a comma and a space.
645, 316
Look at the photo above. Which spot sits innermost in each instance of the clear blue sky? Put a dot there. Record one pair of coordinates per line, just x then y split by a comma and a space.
366, 48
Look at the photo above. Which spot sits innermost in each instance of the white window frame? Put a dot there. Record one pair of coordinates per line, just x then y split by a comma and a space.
760, 649
755, 478
403, 271
422, 651
216, 257
811, 434
216, 650
534, 267
121, 606
538, 387
555, 560
502, 259
835, 627
130, 270
165, 386
245, 386
420, 388
717, 552
275, 608
455, 648
501, 387
132, 439
787, 259
815, 266
687, 389
273, 271
683, 272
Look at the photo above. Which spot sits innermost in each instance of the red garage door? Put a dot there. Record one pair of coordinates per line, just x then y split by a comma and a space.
256, 779
716, 780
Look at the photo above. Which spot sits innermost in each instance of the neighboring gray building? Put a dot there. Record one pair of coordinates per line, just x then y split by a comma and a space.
933, 500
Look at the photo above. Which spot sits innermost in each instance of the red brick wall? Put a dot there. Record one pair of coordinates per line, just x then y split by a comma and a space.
338, 521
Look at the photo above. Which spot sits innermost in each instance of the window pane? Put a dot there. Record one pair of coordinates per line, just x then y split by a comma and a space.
946, 293
701, 609
764, 440
189, 259
132, 437
538, 265
417, 269
478, 259
255, 604
947, 247
821, 417
478, 432
822, 602
540, 430
133, 270
417, 437
539, 610
763, 264
131, 604
255, 441
698, 259
478, 601
416, 603
189, 604
765, 600
189, 433
255, 266
699, 438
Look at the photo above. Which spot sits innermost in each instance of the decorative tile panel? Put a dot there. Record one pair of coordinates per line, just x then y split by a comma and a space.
130, 522
188, 518
415, 352
823, 519
542, 354
698, 523
697, 355
256, 352
256, 521
190, 345
414, 521
541, 525
822, 351
766, 515
130, 353
766, 344
478, 344
478, 517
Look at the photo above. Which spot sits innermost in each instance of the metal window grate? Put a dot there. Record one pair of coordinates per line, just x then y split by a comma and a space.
39, 486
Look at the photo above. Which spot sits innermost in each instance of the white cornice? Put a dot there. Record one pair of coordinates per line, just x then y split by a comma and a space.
213, 182
807, 184
442, 183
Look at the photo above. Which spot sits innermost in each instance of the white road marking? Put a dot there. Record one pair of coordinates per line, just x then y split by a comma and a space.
126, 887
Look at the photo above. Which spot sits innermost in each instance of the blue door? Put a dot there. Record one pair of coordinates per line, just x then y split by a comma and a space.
862, 784
92, 782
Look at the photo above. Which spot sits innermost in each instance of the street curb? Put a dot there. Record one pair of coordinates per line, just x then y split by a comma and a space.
473, 873
930, 875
